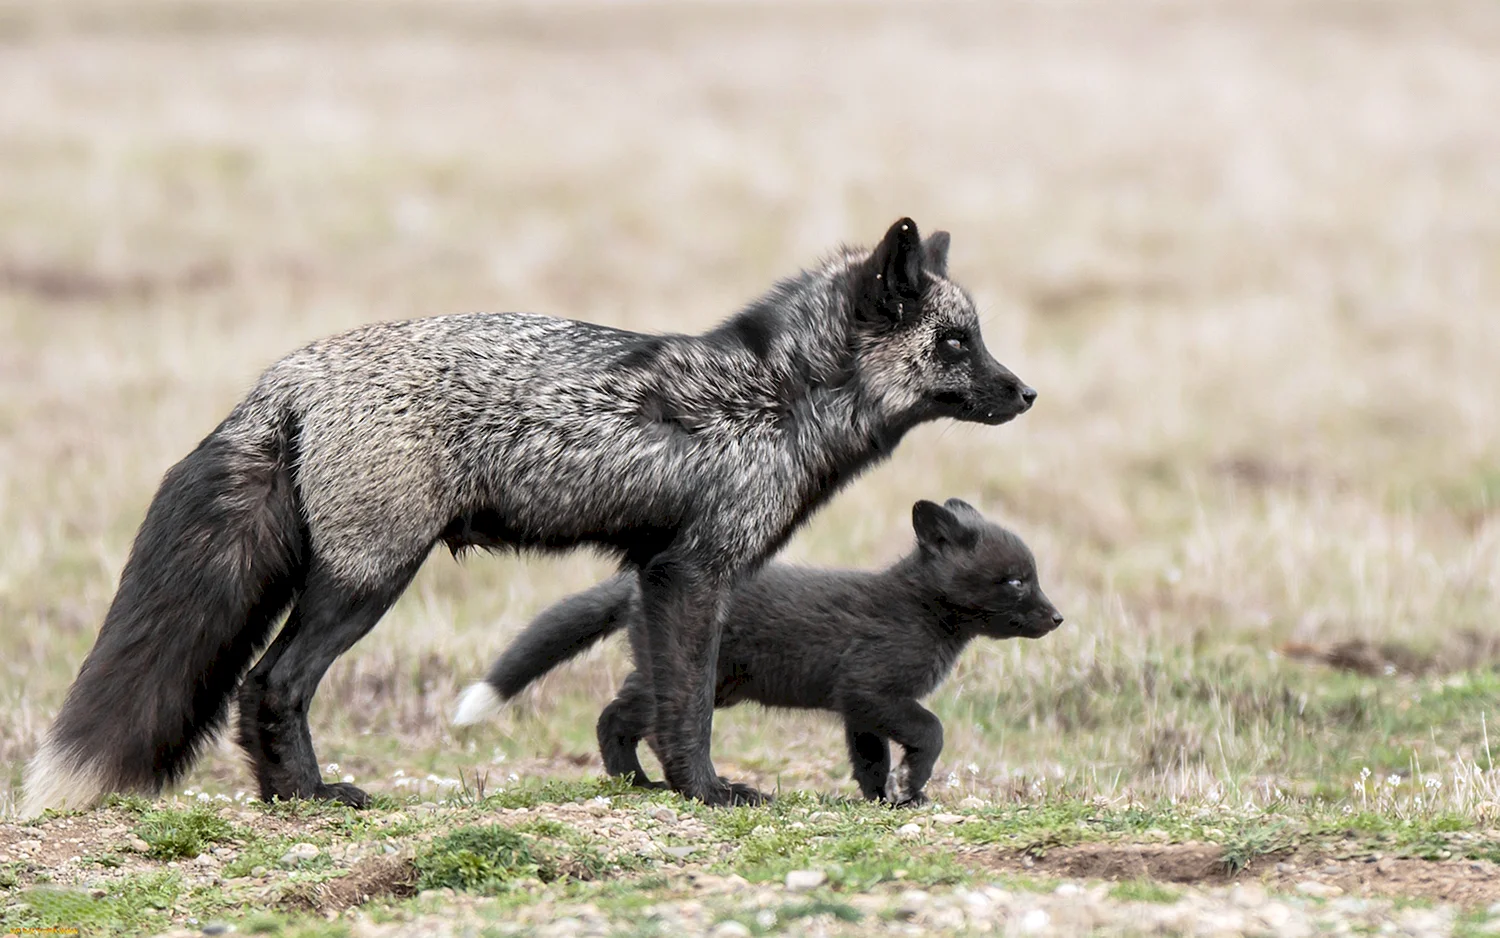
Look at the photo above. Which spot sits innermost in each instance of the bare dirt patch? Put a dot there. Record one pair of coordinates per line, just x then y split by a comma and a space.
1467, 883
1171, 863
1463, 650
375, 878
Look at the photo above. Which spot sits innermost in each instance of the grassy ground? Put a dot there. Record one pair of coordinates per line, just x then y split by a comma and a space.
1249, 253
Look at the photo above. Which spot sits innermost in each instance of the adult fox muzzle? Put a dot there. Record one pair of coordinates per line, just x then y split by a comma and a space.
691, 458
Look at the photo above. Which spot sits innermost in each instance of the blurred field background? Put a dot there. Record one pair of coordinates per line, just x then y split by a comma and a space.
1248, 252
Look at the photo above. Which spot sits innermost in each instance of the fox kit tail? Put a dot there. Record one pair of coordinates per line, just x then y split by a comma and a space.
562, 631
216, 562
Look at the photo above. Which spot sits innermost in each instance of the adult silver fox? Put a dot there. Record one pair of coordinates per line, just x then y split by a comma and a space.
691, 458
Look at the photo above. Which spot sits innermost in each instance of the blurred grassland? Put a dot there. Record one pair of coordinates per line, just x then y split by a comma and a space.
1248, 252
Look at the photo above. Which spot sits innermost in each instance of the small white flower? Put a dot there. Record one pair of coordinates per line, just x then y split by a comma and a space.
1393, 780
1364, 773
399, 773
1432, 783
332, 769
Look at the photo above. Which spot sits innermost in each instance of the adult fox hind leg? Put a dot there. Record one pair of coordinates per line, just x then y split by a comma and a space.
870, 756
622, 726
329, 617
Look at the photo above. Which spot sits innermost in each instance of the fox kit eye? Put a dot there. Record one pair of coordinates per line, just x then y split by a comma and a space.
1015, 584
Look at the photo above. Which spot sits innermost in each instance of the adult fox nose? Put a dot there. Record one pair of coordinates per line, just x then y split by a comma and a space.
1057, 618
1028, 394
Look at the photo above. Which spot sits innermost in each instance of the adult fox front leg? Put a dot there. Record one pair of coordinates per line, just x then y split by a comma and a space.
691, 458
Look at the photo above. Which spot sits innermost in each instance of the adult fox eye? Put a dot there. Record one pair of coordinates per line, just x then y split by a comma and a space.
955, 345
1014, 584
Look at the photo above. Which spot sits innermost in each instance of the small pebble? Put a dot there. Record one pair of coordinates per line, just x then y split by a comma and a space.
666, 815
730, 929
1034, 921
911, 903
805, 880
298, 854
909, 830
1317, 890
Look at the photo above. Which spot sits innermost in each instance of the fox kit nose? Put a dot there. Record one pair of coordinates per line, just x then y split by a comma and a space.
1028, 394
1057, 618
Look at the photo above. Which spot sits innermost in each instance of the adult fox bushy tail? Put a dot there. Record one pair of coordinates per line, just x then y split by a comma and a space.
690, 458
212, 569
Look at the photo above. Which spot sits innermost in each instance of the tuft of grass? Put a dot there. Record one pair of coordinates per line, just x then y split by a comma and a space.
1243, 847
176, 835
485, 860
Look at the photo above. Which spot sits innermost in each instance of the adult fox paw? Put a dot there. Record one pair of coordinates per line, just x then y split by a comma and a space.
343, 793
734, 793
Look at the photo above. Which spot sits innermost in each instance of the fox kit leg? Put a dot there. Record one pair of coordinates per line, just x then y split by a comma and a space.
870, 755
681, 609
328, 619
622, 726
919, 732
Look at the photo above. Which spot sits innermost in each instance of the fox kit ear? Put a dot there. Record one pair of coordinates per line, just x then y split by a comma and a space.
959, 506
935, 253
938, 527
892, 279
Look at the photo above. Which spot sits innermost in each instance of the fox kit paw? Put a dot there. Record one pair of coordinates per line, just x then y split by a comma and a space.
916, 800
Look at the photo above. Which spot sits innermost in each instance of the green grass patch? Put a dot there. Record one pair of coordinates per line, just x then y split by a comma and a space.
531, 794
136, 904
853, 842
179, 835
486, 860
1143, 890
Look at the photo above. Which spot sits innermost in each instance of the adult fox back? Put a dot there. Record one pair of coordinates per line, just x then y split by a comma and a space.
691, 458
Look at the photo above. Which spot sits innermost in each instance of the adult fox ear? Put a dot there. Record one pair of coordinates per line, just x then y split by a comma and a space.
892, 282
935, 253
937, 527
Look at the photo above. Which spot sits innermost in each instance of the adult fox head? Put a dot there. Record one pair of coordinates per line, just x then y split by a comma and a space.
981, 571
917, 332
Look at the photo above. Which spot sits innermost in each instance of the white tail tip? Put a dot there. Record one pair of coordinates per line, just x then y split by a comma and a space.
477, 703
55, 781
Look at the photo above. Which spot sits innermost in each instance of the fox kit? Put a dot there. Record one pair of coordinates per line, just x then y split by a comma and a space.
691, 458
863, 645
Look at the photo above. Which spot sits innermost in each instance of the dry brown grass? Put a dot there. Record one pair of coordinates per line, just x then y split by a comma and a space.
1248, 252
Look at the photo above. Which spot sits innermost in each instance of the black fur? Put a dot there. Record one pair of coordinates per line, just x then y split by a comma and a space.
863, 645
240, 558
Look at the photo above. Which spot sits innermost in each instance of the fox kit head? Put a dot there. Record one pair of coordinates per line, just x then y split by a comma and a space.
917, 336
982, 571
